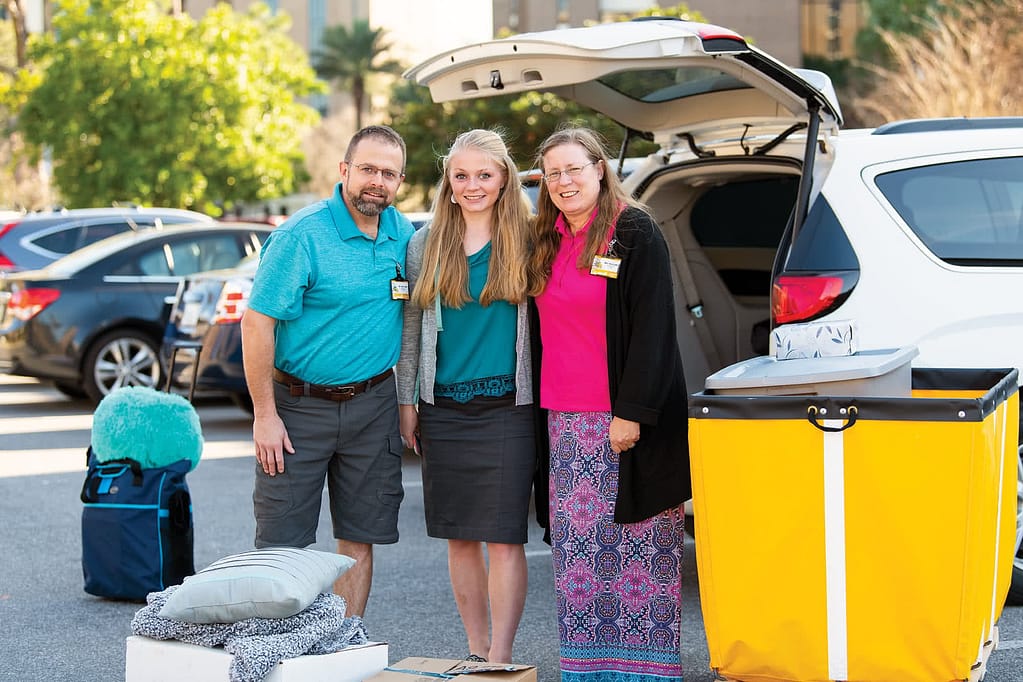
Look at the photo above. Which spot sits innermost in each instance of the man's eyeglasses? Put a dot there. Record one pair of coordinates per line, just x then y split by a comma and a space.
571, 172
368, 172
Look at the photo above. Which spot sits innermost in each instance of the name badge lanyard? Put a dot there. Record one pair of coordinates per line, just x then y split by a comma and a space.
608, 264
399, 285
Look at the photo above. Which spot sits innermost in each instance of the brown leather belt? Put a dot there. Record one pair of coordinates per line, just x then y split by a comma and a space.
338, 394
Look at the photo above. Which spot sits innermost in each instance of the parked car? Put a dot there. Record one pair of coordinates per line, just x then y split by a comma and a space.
774, 215
92, 321
34, 240
204, 323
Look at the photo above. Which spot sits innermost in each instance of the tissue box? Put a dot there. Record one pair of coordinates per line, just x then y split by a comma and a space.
154, 660
814, 340
428, 670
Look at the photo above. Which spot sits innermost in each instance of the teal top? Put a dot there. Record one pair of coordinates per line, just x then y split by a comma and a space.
476, 348
328, 286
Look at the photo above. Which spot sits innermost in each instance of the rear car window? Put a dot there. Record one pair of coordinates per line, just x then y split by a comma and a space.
966, 212
60, 241
665, 85
822, 245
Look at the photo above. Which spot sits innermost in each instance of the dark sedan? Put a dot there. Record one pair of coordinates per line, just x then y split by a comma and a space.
93, 320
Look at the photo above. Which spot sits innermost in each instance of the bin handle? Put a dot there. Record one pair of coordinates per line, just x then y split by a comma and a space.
811, 415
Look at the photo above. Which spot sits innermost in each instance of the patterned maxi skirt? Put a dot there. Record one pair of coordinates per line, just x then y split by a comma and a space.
618, 585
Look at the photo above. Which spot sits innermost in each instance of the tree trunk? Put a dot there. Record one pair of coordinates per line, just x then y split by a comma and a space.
17, 13
358, 95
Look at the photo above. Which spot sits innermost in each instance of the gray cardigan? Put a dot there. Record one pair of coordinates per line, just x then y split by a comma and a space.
417, 366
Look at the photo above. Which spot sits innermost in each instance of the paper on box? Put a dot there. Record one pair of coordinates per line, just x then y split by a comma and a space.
153, 660
425, 670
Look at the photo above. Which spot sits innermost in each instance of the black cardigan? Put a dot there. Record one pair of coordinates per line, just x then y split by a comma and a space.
645, 377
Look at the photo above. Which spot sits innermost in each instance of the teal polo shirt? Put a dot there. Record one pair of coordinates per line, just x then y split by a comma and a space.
328, 286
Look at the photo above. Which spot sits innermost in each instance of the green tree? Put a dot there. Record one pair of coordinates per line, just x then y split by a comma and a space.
136, 104
349, 57
906, 17
16, 13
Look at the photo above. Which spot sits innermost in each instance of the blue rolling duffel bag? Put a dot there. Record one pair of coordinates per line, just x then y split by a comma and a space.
137, 534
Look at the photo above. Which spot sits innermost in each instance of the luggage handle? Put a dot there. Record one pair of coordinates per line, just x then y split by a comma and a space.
184, 345
812, 416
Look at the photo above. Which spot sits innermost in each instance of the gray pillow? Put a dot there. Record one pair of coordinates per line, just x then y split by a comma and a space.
275, 582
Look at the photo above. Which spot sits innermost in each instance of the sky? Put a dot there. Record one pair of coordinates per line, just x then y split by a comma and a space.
418, 29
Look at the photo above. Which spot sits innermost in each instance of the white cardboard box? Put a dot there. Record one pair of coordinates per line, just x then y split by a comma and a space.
153, 660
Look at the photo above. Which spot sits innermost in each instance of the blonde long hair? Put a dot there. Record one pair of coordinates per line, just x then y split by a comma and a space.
445, 270
545, 238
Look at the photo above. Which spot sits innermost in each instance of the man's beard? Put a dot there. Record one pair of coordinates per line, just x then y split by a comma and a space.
370, 209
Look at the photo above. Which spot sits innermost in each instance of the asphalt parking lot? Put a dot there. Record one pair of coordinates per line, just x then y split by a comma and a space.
53, 631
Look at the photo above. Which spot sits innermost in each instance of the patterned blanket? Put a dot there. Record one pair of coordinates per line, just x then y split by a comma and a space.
257, 645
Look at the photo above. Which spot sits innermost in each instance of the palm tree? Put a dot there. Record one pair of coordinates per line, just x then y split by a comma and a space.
350, 56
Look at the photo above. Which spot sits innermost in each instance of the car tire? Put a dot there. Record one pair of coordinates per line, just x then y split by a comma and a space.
73, 391
244, 401
124, 357
1015, 597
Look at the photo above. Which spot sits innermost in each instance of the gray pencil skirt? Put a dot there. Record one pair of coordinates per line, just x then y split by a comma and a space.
478, 463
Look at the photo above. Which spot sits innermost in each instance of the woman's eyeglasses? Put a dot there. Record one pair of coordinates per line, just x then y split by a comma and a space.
571, 172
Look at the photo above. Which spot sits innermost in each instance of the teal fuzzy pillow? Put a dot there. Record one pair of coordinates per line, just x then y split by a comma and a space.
152, 427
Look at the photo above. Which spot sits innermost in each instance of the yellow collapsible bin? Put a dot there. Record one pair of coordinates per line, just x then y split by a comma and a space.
856, 538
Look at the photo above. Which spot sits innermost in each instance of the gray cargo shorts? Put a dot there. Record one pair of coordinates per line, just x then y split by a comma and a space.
356, 446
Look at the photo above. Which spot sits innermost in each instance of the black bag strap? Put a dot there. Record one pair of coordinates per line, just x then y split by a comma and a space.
136, 468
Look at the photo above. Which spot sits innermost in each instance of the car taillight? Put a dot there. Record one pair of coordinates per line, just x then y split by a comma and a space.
5, 262
234, 299
27, 303
799, 298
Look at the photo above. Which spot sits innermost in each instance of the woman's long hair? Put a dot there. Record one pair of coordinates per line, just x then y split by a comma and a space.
445, 270
545, 238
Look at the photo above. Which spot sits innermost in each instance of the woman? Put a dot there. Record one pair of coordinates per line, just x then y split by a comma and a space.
611, 382
465, 350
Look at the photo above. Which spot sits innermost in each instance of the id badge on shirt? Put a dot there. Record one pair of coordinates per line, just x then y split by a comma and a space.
606, 266
399, 286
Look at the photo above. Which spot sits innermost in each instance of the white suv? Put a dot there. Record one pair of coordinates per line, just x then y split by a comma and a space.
913, 230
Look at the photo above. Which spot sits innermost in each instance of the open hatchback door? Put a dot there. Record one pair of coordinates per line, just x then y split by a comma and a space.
667, 79
739, 137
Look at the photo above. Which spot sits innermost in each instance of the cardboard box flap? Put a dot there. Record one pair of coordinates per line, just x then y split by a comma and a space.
417, 669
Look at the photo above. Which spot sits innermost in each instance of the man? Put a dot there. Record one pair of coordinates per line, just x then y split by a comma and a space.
320, 338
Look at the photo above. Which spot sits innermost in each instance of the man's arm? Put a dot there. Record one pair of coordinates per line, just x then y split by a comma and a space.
268, 432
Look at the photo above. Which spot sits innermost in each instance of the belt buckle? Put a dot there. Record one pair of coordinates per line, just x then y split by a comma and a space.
342, 392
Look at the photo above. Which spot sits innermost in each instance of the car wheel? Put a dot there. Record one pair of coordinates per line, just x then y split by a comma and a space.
244, 401
1015, 597
120, 358
73, 391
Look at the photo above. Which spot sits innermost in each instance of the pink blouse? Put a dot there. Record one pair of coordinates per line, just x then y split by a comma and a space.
573, 331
